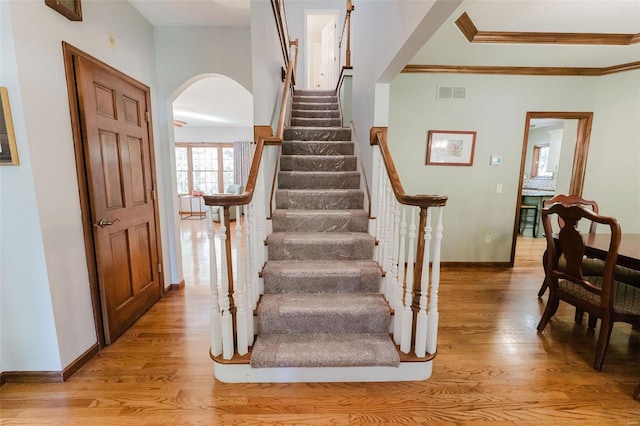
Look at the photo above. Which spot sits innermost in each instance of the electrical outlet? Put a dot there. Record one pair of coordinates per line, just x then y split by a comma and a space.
487, 239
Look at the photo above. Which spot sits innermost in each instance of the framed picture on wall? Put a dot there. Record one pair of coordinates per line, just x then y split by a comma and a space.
72, 9
450, 147
8, 148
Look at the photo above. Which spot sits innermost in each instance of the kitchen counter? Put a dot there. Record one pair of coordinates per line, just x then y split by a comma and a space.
537, 193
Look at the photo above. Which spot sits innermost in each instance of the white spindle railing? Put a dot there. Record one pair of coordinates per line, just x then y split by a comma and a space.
234, 301
412, 288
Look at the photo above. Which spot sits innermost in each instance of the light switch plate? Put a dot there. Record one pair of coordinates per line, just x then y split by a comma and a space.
496, 160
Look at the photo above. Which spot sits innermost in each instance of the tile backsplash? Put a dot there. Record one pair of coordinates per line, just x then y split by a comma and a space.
538, 183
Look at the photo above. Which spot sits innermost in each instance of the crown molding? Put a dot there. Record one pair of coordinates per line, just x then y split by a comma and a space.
471, 32
548, 71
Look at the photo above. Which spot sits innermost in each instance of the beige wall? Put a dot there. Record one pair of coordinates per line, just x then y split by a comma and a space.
496, 108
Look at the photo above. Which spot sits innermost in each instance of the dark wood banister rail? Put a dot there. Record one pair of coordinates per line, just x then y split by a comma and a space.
378, 136
346, 27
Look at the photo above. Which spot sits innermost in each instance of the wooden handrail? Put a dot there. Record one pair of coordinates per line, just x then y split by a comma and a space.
346, 26
378, 136
228, 200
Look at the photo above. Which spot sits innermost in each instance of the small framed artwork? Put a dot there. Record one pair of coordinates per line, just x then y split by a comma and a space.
69, 8
450, 147
8, 148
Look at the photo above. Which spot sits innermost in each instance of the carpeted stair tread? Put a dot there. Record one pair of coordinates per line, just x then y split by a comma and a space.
316, 99
321, 276
295, 147
317, 134
303, 92
346, 220
315, 113
315, 122
324, 350
334, 163
323, 313
320, 245
315, 106
319, 199
319, 180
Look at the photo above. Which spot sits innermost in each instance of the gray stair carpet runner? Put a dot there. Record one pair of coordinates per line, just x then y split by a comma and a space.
321, 305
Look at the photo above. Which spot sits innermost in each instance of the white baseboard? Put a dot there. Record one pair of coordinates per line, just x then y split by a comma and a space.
243, 373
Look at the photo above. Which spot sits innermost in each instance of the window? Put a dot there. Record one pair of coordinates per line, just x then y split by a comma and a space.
540, 161
206, 167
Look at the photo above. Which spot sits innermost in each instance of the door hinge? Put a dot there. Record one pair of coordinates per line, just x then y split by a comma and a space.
148, 116
159, 268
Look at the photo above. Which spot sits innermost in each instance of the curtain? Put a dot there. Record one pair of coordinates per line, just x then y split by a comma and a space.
242, 161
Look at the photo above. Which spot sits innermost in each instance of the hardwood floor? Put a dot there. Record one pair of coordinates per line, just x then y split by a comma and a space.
492, 366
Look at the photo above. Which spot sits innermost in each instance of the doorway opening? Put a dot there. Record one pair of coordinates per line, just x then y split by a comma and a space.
554, 160
321, 55
212, 118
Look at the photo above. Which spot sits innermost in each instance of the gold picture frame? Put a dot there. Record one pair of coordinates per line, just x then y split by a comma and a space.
450, 147
72, 9
8, 147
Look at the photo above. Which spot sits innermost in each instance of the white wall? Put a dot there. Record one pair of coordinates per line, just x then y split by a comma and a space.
296, 18
27, 328
38, 32
385, 35
496, 108
613, 166
184, 55
267, 63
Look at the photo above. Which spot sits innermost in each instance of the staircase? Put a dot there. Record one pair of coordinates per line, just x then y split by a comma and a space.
321, 317
321, 306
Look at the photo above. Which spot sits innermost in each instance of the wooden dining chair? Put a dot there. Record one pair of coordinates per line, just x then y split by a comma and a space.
568, 200
602, 296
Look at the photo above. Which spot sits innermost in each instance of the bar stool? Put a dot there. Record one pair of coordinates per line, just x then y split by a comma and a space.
525, 209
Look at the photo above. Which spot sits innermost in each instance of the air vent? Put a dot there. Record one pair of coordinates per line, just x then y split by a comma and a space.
452, 93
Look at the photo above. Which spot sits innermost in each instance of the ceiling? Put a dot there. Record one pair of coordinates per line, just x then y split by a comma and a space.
448, 46
215, 13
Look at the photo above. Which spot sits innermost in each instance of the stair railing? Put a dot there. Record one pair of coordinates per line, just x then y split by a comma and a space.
346, 32
235, 293
411, 290
343, 85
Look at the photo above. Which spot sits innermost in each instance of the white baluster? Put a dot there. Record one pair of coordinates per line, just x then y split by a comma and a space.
398, 305
246, 258
388, 243
378, 224
432, 330
240, 293
227, 320
216, 331
381, 221
261, 222
391, 245
407, 313
422, 319
254, 248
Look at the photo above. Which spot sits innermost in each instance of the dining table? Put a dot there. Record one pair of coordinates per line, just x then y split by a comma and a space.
597, 246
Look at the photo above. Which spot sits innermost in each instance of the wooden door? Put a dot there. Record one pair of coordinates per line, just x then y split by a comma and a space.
118, 160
